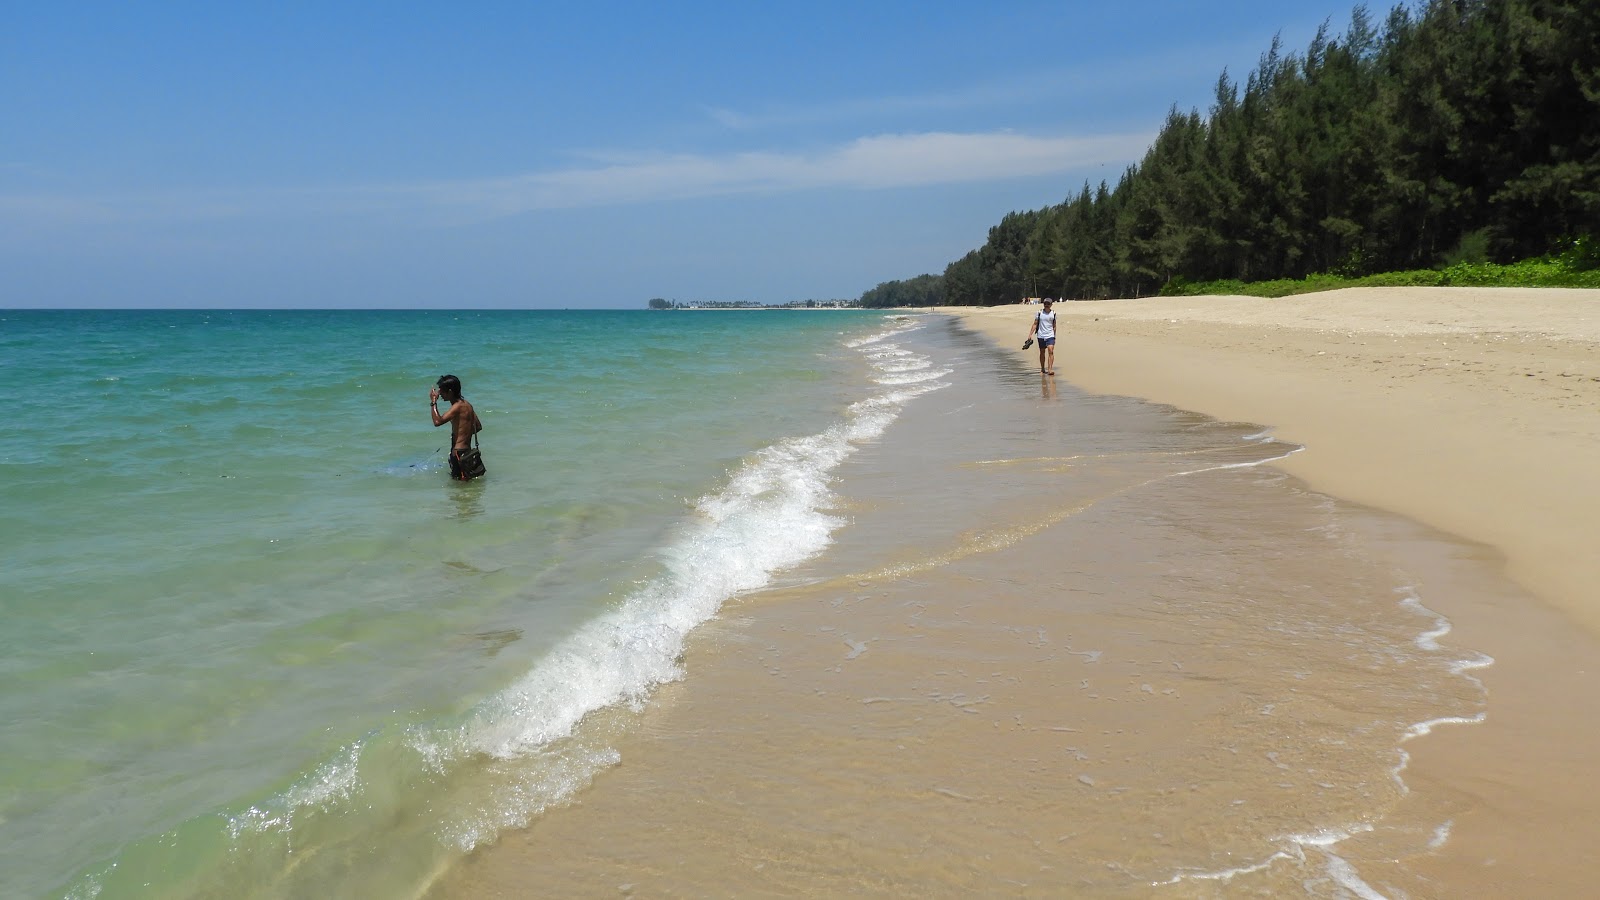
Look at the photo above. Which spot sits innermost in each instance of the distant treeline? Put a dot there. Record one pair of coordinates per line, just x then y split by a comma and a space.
1461, 131
663, 303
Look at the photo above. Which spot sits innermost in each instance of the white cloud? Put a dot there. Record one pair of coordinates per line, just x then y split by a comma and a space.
1101, 82
875, 107
882, 161
869, 163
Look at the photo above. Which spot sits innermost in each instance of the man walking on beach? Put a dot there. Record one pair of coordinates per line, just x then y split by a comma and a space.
465, 464
1044, 330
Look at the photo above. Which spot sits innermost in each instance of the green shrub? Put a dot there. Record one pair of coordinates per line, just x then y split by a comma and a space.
1413, 278
1578, 265
1580, 254
1472, 248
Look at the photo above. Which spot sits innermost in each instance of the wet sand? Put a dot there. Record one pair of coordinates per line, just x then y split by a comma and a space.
1163, 671
1476, 411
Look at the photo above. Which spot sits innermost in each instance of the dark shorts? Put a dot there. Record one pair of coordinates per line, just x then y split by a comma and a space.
455, 465
1046, 342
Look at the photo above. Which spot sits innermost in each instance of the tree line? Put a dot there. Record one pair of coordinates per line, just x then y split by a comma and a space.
663, 303
1459, 130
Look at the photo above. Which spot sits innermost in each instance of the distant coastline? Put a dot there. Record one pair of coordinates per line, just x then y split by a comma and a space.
660, 303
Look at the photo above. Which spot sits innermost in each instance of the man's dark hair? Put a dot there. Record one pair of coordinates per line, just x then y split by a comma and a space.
449, 386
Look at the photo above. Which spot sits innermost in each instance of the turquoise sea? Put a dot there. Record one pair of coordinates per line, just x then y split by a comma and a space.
256, 642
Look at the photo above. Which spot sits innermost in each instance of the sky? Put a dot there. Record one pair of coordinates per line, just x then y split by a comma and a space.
568, 155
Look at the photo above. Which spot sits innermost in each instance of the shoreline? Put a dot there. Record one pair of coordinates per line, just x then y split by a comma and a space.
991, 684
1472, 411
1089, 688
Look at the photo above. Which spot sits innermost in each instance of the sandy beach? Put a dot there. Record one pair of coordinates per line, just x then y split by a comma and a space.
1173, 665
1473, 410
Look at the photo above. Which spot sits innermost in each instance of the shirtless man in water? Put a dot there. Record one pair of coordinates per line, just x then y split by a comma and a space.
462, 417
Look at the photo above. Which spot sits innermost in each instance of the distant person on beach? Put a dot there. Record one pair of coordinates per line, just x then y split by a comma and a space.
465, 463
1044, 331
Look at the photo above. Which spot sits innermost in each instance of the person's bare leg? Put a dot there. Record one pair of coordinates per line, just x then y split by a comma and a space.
1042, 349
1051, 368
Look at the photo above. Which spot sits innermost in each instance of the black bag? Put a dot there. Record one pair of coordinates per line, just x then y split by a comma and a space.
471, 464
467, 463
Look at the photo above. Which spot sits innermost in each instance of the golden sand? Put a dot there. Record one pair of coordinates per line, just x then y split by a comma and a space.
1474, 410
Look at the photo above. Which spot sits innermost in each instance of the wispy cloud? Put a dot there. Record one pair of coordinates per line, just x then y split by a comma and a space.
882, 161
869, 163
991, 95
1102, 81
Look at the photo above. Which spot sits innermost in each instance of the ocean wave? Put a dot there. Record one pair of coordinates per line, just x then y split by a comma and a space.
770, 515
913, 377
522, 749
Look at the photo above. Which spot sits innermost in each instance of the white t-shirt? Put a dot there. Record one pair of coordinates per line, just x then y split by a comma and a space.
1047, 325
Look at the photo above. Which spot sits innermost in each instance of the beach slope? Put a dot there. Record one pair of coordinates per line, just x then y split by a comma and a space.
1474, 410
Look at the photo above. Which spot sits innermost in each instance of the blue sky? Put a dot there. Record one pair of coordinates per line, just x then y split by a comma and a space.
476, 155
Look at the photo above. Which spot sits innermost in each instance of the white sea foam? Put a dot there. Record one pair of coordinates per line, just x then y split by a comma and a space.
1294, 847
1441, 835
1230, 873
1243, 465
1426, 727
913, 377
896, 365
898, 325
889, 351
1429, 640
1345, 876
1291, 848
910, 363
1476, 661
770, 516
335, 780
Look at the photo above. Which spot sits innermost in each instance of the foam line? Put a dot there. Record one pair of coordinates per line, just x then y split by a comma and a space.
768, 517
1120, 455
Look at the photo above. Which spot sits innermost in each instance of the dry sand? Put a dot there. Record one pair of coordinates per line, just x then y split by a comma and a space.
1476, 411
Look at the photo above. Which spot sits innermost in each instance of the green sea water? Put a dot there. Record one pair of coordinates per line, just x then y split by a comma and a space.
256, 642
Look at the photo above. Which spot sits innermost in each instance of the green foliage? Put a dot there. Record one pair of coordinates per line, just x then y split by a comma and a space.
923, 290
1458, 132
1472, 248
1542, 272
1545, 271
1580, 254
1411, 278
